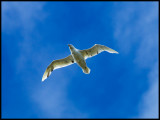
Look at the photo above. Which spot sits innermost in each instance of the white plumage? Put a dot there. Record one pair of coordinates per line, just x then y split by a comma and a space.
77, 56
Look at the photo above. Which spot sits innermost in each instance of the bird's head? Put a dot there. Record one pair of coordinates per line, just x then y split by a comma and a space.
71, 46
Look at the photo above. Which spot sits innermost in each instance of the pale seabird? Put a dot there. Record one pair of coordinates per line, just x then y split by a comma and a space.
77, 56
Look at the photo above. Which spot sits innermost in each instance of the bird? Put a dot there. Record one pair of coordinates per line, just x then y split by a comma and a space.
77, 56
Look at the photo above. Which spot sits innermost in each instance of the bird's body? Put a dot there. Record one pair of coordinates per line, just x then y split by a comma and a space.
77, 56
79, 59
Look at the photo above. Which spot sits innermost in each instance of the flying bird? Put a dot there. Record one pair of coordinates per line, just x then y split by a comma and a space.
77, 56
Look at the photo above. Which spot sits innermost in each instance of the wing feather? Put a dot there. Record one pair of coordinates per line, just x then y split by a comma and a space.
57, 64
96, 49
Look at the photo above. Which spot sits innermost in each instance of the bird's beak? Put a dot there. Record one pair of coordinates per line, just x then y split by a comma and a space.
68, 44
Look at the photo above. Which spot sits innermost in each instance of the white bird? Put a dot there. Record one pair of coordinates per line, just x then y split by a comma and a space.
77, 56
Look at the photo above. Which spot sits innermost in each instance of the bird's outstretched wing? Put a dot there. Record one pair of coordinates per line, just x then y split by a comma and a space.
96, 49
57, 64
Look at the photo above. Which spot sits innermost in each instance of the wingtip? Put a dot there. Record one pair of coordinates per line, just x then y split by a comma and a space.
114, 52
44, 76
43, 79
117, 52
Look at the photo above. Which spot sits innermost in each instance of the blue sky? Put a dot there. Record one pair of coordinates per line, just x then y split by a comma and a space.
123, 85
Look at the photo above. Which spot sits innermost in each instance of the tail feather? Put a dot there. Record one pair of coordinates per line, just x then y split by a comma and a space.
86, 70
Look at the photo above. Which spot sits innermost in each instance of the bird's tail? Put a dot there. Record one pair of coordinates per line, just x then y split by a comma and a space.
86, 70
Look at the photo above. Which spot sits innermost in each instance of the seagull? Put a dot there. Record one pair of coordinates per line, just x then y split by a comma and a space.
77, 56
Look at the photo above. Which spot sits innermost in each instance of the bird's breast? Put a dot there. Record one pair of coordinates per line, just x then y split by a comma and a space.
78, 58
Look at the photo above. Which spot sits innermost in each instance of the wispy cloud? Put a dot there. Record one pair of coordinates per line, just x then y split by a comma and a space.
51, 99
149, 104
21, 15
137, 34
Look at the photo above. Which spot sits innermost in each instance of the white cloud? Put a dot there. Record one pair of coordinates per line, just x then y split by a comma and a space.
136, 31
149, 104
51, 99
134, 25
21, 15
